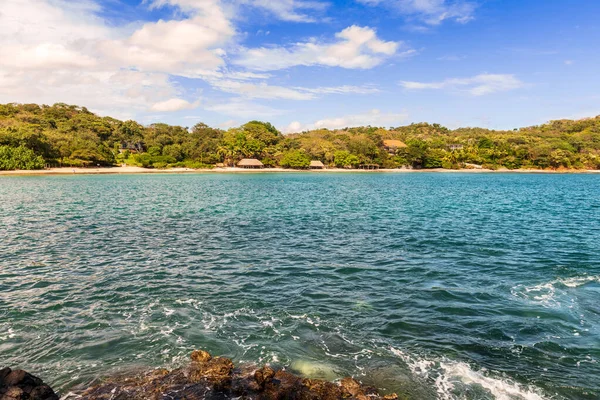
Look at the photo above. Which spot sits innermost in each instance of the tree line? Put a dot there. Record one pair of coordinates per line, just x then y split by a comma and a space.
34, 136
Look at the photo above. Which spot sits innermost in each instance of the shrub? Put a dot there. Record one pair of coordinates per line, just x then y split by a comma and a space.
21, 157
295, 159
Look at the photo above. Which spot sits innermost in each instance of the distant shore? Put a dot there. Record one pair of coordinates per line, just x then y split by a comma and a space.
140, 170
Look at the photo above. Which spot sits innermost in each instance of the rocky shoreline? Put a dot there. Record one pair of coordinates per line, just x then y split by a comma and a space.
205, 377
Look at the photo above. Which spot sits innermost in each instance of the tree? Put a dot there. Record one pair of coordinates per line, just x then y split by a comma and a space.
295, 159
21, 157
344, 159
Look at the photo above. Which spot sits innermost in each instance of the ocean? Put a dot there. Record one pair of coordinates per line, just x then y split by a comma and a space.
431, 285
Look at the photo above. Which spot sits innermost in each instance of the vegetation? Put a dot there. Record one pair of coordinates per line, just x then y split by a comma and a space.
33, 136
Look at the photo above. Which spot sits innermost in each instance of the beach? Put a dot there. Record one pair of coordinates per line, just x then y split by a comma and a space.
140, 170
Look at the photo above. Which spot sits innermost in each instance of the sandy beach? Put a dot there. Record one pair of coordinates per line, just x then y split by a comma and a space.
139, 170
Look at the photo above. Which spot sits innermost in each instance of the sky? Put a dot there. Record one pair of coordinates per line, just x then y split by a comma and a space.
306, 64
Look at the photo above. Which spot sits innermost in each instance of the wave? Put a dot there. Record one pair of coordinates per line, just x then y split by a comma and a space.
452, 378
546, 293
579, 281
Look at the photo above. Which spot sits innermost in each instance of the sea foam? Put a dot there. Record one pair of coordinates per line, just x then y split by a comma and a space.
546, 293
449, 375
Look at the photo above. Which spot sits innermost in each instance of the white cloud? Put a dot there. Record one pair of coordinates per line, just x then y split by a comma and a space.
45, 56
57, 50
356, 48
430, 12
373, 117
240, 108
174, 105
346, 89
284, 10
262, 90
188, 47
289, 10
478, 85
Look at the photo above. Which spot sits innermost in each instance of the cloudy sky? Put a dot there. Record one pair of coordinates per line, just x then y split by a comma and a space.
303, 64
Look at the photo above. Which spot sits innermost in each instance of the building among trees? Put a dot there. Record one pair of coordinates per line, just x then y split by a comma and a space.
250, 163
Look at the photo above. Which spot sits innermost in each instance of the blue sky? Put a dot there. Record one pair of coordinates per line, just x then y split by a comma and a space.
305, 64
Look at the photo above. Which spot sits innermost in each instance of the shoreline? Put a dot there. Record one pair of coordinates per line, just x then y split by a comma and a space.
205, 377
234, 170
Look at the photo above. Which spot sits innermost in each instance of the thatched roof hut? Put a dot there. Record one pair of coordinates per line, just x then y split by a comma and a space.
394, 144
316, 165
250, 163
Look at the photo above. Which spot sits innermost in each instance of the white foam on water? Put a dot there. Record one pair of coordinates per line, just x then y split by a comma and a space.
168, 312
192, 302
548, 293
9, 334
417, 366
544, 293
446, 375
499, 388
579, 281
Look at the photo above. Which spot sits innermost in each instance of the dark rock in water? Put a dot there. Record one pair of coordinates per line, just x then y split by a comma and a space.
19, 385
200, 356
217, 378
205, 378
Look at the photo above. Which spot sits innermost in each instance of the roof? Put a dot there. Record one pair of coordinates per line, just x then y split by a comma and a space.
250, 162
317, 164
394, 143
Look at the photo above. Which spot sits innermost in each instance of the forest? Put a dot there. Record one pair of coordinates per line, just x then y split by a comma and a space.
36, 137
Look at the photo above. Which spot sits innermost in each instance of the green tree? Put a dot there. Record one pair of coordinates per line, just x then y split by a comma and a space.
21, 157
295, 159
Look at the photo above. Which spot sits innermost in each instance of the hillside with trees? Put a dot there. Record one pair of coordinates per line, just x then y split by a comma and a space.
34, 137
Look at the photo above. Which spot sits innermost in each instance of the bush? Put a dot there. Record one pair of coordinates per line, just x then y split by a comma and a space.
21, 157
146, 160
193, 165
344, 159
295, 159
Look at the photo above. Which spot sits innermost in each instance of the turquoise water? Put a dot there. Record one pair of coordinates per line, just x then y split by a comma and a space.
449, 286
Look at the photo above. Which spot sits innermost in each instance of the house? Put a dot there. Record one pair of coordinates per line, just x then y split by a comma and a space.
132, 147
368, 166
392, 146
250, 163
317, 165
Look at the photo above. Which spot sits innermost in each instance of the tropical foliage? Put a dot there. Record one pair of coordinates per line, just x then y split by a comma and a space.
32, 136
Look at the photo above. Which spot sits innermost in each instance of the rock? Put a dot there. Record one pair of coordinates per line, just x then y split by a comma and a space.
318, 389
314, 370
206, 378
351, 387
216, 369
200, 356
19, 385
263, 376
13, 393
283, 385
3, 374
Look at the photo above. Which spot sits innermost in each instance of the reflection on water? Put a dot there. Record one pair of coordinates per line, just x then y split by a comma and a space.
446, 286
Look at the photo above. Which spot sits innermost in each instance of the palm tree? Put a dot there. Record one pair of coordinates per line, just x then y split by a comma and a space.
227, 152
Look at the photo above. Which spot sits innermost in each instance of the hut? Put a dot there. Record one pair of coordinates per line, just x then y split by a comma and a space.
368, 166
250, 163
131, 147
316, 165
393, 145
